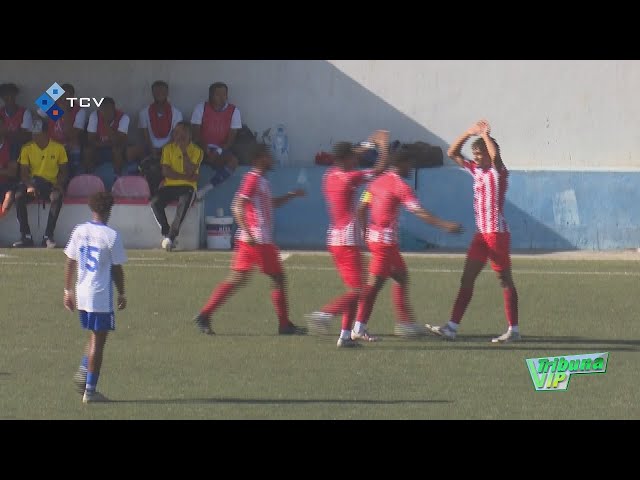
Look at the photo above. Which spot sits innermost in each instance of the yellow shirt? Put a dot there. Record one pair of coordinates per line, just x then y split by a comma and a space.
172, 156
44, 163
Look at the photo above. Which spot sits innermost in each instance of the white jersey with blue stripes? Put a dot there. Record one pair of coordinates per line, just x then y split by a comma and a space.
96, 247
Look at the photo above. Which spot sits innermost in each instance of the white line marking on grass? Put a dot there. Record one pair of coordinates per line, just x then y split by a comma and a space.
312, 268
284, 256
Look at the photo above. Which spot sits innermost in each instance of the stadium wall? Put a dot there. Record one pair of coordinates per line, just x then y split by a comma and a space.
567, 130
545, 210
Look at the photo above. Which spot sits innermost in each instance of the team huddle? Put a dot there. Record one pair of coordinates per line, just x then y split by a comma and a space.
95, 250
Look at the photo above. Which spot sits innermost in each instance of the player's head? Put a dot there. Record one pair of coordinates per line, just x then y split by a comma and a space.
481, 153
100, 204
160, 91
108, 109
39, 130
182, 133
8, 93
346, 156
402, 161
218, 93
261, 157
69, 92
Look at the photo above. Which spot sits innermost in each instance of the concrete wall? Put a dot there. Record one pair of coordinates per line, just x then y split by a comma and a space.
568, 130
136, 224
545, 210
547, 115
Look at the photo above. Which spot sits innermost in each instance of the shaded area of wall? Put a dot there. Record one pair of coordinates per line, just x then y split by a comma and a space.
545, 210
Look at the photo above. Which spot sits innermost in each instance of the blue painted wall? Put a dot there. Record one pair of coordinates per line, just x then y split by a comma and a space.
544, 209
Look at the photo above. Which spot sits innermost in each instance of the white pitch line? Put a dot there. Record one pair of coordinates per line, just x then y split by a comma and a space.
311, 268
284, 256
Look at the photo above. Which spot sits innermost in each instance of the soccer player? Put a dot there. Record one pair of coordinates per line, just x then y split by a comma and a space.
340, 184
95, 251
252, 208
383, 197
492, 239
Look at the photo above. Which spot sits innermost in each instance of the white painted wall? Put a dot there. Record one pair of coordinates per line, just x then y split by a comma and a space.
567, 115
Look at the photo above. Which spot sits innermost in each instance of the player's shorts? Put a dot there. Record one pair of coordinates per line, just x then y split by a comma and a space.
97, 321
385, 259
348, 261
493, 246
264, 255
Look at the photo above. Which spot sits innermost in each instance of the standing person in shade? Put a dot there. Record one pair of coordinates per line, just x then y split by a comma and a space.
95, 255
340, 184
492, 241
384, 196
253, 211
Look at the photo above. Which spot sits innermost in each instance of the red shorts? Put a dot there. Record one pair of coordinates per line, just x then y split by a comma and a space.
348, 260
493, 246
265, 255
385, 260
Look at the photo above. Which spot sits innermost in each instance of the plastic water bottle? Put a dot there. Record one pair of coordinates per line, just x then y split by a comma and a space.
280, 146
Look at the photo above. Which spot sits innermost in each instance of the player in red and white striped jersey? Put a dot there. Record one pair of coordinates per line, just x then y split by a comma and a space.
253, 210
340, 185
384, 197
492, 239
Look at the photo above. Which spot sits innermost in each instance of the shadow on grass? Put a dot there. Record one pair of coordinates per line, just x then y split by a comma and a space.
274, 401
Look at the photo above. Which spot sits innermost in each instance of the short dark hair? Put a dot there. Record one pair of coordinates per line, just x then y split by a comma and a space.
480, 143
68, 87
8, 88
342, 150
101, 203
257, 150
159, 83
108, 101
215, 85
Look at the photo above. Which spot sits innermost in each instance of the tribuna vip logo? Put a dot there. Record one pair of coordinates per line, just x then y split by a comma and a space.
47, 101
554, 373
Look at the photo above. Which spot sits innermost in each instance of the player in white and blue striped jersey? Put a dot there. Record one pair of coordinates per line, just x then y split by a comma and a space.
95, 251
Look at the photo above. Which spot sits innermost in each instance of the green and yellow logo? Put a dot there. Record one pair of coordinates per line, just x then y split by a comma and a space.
553, 373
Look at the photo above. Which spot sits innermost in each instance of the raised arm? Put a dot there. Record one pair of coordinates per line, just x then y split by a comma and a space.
381, 139
492, 147
455, 150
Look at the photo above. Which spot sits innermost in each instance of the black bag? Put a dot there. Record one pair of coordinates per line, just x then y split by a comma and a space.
241, 148
425, 155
